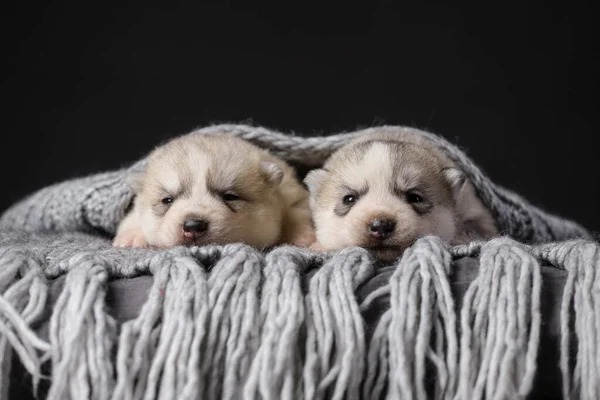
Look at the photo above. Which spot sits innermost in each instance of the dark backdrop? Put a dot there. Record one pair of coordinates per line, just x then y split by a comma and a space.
91, 88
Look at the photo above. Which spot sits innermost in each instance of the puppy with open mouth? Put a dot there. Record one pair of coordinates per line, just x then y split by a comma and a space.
384, 191
217, 189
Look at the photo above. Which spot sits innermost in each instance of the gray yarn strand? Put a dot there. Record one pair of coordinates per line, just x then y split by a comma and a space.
171, 337
199, 315
377, 371
503, 299
421, 303
335, 343
309, 151
82, 335
138, 337
276, 370
242, 336
166, 374
22, 301
582, 261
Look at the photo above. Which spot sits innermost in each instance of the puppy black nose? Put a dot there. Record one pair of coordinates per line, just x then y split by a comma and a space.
195, 225
382, 228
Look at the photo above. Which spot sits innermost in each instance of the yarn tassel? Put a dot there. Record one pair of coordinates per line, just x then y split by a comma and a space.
82, 334
422, 307
23, 294
276, 371
335, 343
500, 324
581, 259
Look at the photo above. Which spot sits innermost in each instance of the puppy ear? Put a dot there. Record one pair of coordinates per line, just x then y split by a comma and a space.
134, 175
455, 177
314, 179
135, 180
272, 172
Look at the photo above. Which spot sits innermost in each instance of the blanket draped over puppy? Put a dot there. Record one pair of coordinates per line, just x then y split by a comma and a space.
86, 320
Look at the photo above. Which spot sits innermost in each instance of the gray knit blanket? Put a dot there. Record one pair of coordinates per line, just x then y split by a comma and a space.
224, 322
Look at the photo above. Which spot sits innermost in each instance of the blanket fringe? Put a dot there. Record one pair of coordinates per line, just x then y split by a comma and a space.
581, 296
82, 334
276, 370
500, 324
335, 342
197, 330
228, 322
23, 294
422, 309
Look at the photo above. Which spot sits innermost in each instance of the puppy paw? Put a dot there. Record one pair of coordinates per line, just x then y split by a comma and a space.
304, 238
130, 238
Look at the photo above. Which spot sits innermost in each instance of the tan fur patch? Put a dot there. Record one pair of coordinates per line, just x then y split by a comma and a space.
242, 192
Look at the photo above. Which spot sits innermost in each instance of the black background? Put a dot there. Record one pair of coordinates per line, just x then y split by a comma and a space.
92, 88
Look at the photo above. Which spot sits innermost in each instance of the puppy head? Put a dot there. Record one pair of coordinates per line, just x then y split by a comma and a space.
198, 190
383, 195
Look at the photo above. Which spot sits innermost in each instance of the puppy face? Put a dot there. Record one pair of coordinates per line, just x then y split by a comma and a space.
202, 190
383, 195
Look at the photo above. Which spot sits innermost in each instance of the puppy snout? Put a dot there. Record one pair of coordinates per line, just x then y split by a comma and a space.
382, 228
195, 226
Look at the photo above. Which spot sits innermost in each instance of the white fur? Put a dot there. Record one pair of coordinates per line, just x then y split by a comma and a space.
453, 199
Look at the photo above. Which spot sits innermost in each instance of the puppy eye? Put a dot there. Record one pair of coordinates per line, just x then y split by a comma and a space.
414, 198
230, 197
167, 201
349, 199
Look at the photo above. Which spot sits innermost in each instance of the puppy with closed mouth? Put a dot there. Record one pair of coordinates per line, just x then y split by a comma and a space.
217, 189
383, 191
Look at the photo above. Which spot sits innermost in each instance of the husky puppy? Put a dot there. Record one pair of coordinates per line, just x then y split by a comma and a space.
199, 189
384, 191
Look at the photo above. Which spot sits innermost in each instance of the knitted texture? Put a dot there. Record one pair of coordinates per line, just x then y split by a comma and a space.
225, 322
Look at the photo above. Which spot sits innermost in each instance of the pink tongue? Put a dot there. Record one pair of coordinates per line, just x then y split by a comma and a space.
188, 234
